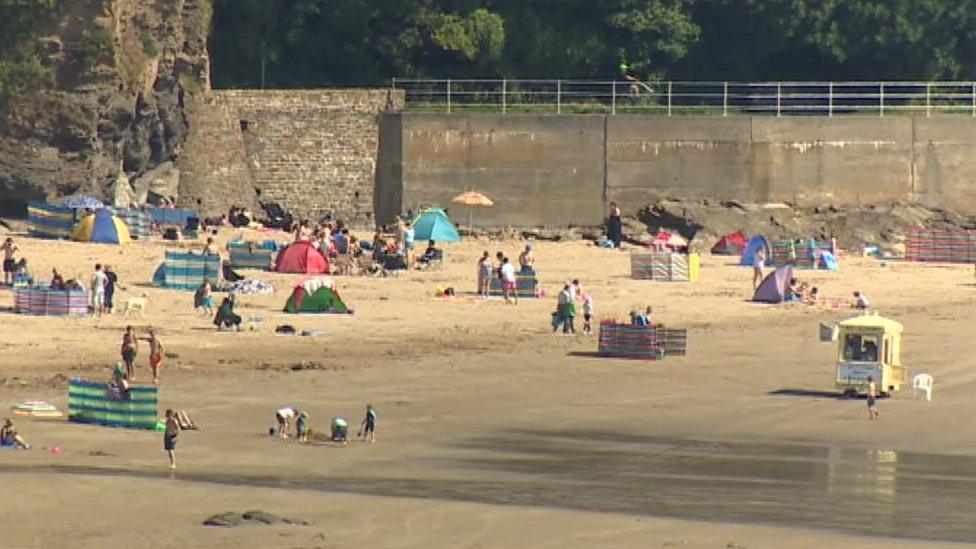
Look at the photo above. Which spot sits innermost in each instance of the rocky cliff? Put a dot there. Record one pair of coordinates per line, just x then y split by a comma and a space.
122, 72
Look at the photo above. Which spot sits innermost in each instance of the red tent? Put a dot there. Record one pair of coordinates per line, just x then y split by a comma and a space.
301, 257
730, 244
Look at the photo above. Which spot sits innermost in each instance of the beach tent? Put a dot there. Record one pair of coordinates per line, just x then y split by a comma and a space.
730, 244
433, 224
749, 253
773, 288
103, 227
828, 261
301, 257
316, 295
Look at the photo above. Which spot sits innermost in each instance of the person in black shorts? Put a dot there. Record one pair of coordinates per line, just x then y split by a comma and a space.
368, 427
169, 437
9, 264
872, 396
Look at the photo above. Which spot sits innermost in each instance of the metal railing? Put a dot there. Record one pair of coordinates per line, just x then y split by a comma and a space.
673, 98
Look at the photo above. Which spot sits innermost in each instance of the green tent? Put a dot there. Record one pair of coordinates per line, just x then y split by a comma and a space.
322, 300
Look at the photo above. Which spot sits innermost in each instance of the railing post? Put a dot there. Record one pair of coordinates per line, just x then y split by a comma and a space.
669, 98
830, 99
725, 98
613, 97
448, 96
779, 98
881, 98
928, 99
559, 96
504, 98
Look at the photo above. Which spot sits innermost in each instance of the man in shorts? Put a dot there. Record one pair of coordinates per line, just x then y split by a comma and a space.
9, 265
169, 437
155, 354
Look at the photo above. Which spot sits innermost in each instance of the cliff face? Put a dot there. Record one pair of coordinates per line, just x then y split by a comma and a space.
123, 70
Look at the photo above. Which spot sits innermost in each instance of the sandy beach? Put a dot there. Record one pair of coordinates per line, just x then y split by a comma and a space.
492, 430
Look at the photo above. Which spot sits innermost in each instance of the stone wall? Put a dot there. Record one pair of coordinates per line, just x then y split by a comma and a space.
312, 151
561, 170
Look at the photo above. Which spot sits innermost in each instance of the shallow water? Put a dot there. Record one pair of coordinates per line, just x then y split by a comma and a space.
874, 492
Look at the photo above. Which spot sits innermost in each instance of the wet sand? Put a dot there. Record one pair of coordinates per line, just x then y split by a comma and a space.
492, 430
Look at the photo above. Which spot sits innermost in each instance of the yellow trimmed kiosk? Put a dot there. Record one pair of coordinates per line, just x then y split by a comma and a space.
869, 345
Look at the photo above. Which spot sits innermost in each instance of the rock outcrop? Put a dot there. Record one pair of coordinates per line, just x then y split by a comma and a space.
123, 70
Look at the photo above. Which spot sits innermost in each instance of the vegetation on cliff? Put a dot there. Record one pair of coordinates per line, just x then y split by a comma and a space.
310, 43
21, 25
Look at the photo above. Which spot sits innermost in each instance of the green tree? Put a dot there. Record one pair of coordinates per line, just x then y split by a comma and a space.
21, 66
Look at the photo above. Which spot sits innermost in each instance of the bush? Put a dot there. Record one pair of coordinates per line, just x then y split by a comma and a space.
148, 44
97, 47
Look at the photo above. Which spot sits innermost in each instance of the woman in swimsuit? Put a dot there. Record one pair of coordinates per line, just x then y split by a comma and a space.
129, 348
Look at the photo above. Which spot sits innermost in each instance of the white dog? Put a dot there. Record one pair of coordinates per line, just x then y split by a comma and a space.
134, 303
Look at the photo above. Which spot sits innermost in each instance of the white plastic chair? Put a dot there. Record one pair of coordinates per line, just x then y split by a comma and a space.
922, 382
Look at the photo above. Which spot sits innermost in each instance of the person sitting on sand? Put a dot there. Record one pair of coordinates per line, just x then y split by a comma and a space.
226, 317
118, 379
526, 260
860, 301
203, 298
57, 281
813, 298
340, 430
285, 416
10, 437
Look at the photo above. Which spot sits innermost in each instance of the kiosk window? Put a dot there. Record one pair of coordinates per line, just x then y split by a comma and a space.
861, 348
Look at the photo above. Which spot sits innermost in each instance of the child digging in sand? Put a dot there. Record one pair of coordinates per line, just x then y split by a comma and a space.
367, 429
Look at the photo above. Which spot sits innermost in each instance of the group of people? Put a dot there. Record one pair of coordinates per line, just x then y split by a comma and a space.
104, 282
130, 349
339, 427
505, 272
565, 313
12, 267
641, 319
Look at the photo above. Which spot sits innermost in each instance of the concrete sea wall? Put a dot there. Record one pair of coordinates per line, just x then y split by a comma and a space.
561, 170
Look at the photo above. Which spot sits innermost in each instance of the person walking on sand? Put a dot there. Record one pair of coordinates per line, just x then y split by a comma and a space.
8, 261
758, 263
587, 313
509, 284
169, 437
872, 396
111, 283
484, 275
129, 348
155, 354
367, 429
614, 226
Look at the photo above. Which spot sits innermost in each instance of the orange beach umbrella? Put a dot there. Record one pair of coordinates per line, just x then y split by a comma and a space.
472, 199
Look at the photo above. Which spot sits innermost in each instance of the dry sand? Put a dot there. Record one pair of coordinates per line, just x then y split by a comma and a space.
474, 399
